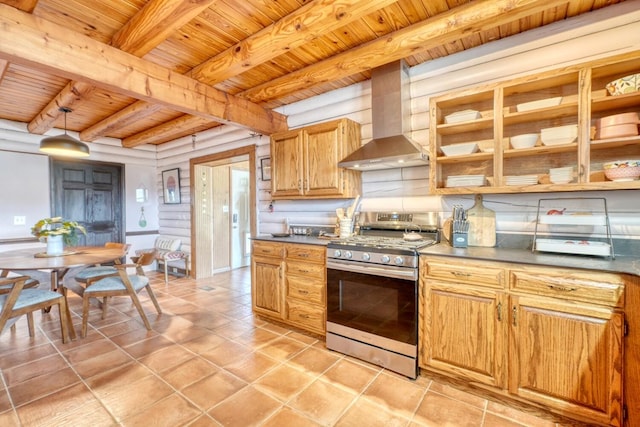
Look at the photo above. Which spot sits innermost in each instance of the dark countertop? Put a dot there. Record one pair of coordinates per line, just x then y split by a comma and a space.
307, 240
621, 264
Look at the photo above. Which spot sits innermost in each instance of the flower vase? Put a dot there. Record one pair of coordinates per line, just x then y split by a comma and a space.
55, 245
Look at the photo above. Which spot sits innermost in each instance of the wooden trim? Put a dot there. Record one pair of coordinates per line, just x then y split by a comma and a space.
250, 151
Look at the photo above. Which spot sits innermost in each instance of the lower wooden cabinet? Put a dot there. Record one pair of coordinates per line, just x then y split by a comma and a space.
291, 285
532, 334
267, 279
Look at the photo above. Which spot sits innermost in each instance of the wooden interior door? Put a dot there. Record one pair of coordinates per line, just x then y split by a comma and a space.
92, 194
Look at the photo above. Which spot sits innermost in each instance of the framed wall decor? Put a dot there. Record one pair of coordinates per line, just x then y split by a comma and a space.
171, 186
265, 168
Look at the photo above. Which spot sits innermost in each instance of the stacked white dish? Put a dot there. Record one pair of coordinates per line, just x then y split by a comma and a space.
561, 175
459, 149
521, 179
462, 116
465, 181
559, 135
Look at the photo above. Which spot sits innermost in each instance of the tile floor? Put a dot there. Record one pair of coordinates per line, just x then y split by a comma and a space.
209, 362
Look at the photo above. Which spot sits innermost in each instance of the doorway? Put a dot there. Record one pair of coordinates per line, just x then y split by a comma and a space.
223, 211
92, 194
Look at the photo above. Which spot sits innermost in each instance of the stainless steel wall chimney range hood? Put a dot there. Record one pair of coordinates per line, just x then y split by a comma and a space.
391, 118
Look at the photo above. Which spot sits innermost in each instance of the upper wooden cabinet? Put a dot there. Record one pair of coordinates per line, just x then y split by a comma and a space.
581, 98
304, 162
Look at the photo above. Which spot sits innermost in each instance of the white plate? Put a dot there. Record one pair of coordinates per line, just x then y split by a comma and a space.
541, 103
462, 116
578, 247
573, 219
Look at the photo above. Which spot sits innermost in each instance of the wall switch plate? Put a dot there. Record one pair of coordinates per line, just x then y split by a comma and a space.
19, 220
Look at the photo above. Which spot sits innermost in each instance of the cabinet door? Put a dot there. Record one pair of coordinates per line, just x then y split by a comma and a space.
567, 356
267, 286
464, 332
322, 152
287, 164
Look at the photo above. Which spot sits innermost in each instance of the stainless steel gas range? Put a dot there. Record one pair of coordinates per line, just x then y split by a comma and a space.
372, 289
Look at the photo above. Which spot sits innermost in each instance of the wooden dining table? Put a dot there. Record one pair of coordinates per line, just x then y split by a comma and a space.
36, 259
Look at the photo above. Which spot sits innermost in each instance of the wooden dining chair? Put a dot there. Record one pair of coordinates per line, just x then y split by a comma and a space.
89, 275
122, 284
22, 297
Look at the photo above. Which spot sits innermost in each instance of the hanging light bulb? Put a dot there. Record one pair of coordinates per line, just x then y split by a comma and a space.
64, 145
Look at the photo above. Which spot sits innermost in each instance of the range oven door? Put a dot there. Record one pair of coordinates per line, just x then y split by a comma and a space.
375, 303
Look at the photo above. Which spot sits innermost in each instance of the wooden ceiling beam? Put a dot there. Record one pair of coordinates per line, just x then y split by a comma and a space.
49, 47
145, 30
163, 131
443, 28
23, 5
72, 93
294, 30
123, 118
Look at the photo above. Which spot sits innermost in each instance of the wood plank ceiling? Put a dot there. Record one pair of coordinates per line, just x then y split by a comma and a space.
148, 72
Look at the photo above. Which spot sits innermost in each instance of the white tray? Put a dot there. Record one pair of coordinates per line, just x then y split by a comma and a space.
579, 247
573, 219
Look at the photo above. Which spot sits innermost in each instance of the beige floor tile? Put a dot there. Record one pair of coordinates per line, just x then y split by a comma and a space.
148, 346
166, 358
351, 376
188, 372
439, 410
98, 364
90, 350
248, 407
74, 405
35, 369
223, 355
322, 402
471, 399
494, 408
282, 348
205, 421
283, 382
9, 419
212, 390
11, 358
252, 366
314, 360
171, 411
204, 343
112, 380
287, 417
365, 413
134, 397
398, 395
257, 337
42, 385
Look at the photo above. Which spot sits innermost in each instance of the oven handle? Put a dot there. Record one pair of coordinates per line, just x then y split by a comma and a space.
384, 271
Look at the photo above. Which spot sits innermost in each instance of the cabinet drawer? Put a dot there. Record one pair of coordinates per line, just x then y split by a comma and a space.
307, 253
268, 249
478, 274
306, 316
307, 269
308, 290
580, 285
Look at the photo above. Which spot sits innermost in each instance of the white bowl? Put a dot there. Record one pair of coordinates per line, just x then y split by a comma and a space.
462, 116
526, 140
559, 135
459, 149
541, 103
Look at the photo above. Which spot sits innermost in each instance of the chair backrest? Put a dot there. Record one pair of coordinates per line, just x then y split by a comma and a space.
146, 259
167, 244
123, 246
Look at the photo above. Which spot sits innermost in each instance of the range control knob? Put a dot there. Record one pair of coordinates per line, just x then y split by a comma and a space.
385, 258
337, 253
348, 254
366, 256
399, 260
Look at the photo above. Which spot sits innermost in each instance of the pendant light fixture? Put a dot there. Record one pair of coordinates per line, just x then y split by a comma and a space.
64, 145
